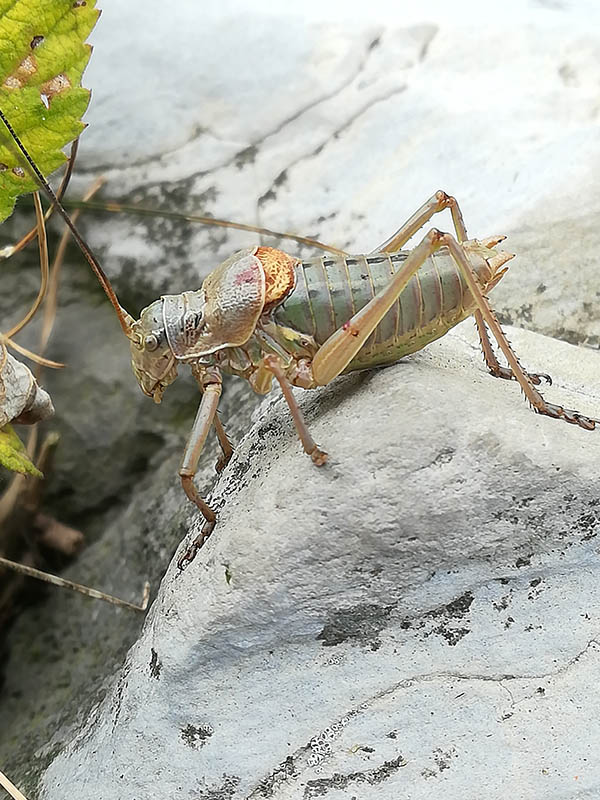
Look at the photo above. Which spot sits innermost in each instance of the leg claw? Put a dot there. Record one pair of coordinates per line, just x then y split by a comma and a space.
537, 378
568, 415
319, 457
221, 464
507, 374
199, 541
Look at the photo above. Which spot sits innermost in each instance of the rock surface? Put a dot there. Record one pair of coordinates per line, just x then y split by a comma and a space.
407, 617
335, 124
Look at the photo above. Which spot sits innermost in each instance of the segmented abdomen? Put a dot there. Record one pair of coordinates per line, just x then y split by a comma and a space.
330, 289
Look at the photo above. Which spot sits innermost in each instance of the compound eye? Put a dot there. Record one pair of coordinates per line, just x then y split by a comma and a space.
151, 342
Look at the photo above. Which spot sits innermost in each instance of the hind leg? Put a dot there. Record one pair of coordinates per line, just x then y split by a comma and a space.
437, 203
496, 369
536, 400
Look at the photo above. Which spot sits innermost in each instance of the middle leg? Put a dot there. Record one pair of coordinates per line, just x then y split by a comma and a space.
225, 444
319, 457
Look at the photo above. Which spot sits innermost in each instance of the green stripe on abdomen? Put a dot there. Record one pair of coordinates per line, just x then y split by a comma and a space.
330, 289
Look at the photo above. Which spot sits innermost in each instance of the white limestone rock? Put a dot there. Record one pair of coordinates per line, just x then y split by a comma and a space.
416, 616
335, 123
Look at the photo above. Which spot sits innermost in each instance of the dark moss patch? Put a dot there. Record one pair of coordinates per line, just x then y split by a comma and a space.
457, 608
448, 614
446, 617
195, 736
287, 769
360, 624
225, 791
155, 664
338, 781
588, 524
502, 604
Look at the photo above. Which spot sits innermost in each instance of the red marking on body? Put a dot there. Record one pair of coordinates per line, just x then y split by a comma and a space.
247, 276
351, 330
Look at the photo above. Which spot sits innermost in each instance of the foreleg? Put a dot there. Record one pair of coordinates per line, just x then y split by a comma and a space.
189, 466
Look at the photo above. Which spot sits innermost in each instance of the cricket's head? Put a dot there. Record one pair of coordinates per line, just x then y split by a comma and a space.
192, 326
152, 360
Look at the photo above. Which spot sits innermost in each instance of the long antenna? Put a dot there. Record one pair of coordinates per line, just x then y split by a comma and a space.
118, 208
83, 246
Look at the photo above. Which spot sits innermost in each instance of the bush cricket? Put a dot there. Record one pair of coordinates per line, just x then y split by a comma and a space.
263, 314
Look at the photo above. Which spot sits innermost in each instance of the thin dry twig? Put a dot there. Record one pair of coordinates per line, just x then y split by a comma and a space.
52, 298
6, 338
49, 285
44, 267
11, 788
31, 572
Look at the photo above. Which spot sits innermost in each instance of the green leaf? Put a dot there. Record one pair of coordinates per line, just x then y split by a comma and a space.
42, 57
13, 454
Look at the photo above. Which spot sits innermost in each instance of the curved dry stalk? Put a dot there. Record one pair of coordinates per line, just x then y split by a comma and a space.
50, 281
6, 338
52, 297
44, 362
44, 267
11, 788
10, 250
49, 284
34, 171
